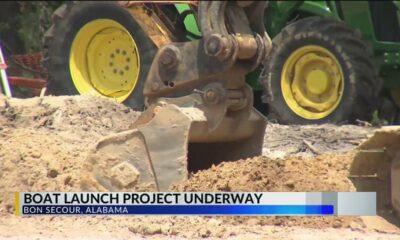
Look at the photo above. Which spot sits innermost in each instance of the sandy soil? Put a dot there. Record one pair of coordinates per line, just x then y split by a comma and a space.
45, 141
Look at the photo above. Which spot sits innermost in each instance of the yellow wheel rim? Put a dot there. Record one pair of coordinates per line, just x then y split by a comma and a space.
312, 82
104, 60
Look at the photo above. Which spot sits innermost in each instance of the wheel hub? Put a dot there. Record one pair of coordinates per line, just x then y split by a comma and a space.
317, 82
312, 82
104, 60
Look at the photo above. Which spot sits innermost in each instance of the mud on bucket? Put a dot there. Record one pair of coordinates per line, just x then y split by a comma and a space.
168, 143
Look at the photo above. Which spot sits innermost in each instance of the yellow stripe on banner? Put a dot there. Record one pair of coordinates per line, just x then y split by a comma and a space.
16, 203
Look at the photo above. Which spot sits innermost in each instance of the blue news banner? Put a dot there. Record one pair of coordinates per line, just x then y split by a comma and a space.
199, 203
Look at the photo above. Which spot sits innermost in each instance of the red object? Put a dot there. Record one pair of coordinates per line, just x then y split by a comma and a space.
3, 66
37, 83
24, 63
31, 61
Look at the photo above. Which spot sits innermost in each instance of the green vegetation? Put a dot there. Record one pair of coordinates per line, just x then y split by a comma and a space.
23, 23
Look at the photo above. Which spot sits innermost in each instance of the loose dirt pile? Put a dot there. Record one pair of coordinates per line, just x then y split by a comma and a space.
323, 173
326, 172
45, 141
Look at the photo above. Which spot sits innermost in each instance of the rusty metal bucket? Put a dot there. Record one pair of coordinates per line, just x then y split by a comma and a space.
167, 143
376, 168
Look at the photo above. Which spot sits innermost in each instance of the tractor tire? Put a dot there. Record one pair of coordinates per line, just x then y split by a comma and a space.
97, 48
320, 71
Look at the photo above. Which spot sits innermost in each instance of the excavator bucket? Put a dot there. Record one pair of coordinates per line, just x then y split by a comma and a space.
167, 143
376, 168
200, 108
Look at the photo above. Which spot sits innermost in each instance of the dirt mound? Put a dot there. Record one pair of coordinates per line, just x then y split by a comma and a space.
66, 114
44, 141
324, 173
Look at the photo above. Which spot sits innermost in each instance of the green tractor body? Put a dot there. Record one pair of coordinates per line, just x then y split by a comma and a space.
377, 23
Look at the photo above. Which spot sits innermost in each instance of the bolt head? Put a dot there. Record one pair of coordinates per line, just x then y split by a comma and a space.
169, 57
210, 94
214, 45
166, 59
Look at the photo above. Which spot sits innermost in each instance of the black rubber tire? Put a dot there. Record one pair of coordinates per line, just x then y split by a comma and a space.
67, 20
361, 84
